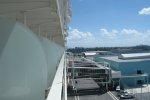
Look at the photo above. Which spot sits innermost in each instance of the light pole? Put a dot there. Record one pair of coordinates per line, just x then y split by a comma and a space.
141, 92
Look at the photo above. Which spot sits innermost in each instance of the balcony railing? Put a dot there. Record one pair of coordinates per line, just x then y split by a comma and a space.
58, 89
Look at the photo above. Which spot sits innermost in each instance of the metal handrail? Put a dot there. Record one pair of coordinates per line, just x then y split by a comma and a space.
56, 88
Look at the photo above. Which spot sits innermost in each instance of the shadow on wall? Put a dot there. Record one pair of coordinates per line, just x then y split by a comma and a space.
5, 32
53, 54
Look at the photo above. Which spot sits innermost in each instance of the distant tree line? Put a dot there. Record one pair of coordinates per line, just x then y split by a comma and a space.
138, 48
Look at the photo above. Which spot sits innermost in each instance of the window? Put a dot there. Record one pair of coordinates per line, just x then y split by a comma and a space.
139, 72
140, 82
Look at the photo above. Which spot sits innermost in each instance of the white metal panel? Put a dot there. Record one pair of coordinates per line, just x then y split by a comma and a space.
56, 88
41, 16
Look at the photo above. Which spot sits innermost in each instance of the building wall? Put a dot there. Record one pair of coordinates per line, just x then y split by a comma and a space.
112, 64
130, 68
27, 65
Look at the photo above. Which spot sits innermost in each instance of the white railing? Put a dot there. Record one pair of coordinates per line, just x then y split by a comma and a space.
65, 80
56, 88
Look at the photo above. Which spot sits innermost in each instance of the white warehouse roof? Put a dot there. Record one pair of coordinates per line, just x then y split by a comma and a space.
116, 59
90, 53
134, 56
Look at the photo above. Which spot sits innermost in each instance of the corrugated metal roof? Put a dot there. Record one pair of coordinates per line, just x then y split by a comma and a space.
135, 55
90, 53
116, 59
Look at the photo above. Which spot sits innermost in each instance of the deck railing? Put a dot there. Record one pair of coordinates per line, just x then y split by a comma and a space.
58, 89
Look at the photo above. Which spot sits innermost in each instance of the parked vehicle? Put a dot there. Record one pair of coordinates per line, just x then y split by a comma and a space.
118, 88
127, 96
121, 92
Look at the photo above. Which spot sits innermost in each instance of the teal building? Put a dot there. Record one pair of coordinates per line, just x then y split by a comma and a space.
134, 68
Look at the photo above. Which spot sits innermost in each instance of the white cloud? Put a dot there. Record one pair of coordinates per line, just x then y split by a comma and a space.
79, 38
76, 35
110, 34
133, 37
145, 11
124, 37
130, 32
105, 37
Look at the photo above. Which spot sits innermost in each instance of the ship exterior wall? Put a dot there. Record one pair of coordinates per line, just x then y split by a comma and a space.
27, 66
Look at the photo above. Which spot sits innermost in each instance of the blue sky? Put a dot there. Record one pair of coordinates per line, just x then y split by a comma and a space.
98, 23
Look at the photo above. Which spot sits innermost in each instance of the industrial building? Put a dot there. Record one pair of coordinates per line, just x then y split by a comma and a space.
134, 68
92, 55
86, 75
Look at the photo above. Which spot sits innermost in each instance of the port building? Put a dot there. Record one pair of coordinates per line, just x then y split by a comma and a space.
134, 68
86, 76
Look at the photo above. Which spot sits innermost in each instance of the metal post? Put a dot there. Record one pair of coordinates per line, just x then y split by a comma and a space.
107, 86
46, 34
39, 30
73, 73
24, 18
134, 81
141, 92
119, 84
148, 78
52, 38
113, 83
